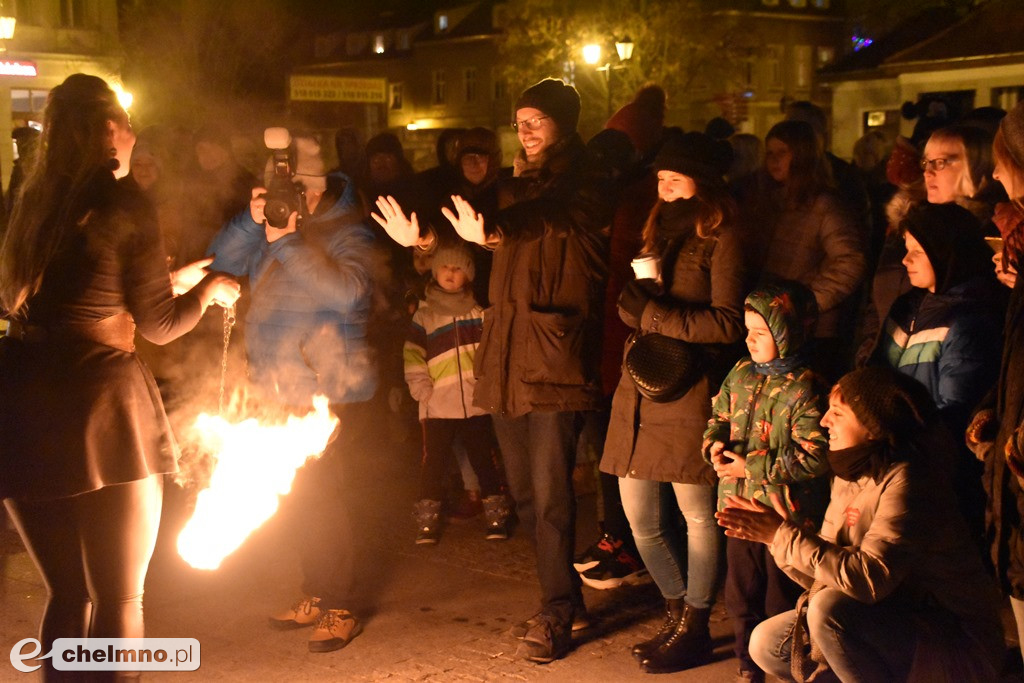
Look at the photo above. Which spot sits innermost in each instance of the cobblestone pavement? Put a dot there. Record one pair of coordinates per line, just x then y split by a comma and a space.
442, 612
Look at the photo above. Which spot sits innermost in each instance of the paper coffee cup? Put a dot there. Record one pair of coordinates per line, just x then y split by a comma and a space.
647, 267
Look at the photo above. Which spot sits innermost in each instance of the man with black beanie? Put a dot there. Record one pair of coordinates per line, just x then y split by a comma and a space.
538, 363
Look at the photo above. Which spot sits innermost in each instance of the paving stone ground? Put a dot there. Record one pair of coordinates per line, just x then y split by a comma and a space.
442, 612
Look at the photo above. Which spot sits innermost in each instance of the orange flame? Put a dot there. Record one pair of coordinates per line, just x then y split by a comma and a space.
255, 466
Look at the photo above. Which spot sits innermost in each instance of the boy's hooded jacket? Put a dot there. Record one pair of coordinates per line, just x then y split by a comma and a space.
948, 339
771, 413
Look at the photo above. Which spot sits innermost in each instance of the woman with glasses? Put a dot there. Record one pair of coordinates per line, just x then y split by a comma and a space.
84, 441
956, 167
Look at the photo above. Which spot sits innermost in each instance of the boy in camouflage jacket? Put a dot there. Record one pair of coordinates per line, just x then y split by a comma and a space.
765, 443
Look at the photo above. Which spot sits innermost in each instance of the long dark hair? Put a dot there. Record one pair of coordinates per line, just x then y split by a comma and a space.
809, 170
73, 147
715, 209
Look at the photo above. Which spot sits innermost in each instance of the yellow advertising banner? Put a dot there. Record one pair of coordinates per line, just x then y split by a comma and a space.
338, 89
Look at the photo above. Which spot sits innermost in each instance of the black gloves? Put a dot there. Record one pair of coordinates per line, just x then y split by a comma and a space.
635, 296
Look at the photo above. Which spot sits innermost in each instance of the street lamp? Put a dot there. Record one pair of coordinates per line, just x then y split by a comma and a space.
7, 24
592, 55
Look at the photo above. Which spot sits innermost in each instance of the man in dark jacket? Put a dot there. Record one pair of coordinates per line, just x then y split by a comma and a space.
311, 284
538, 361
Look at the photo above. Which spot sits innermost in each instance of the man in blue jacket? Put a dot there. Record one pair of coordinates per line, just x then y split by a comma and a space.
311, 283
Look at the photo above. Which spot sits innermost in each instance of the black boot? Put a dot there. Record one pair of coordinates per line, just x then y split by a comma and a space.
687, 646
673, 613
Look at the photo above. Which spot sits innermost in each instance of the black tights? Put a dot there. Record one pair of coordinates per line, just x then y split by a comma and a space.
93, 551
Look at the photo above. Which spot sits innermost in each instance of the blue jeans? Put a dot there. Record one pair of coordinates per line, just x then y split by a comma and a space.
539, 450
660, 547
860, 642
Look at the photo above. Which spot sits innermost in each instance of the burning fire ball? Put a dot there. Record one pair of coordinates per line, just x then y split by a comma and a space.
255, 465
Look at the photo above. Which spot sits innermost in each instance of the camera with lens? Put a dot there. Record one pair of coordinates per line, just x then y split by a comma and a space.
283, 194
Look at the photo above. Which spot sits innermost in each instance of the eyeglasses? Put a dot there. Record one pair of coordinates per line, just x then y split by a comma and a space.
529, 124
938, 164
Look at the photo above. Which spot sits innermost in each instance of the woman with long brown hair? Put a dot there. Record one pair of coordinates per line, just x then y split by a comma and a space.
797, 229
84, 440
699, 300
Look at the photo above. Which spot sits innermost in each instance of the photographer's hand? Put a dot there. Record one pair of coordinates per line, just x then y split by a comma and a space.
274, 234
466, 221
257, 203
405, 231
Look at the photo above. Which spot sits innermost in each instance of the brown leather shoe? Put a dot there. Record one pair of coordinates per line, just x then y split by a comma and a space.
303, 613
334, 630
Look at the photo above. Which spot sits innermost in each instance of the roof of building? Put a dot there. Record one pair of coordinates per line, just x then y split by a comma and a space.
993, 29
938, 35
903, 36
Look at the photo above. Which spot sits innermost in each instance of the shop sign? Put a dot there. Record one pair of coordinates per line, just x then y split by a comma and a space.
15, 68
338, 89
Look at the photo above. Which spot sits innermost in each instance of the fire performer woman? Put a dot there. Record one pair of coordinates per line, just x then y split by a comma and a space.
84, 440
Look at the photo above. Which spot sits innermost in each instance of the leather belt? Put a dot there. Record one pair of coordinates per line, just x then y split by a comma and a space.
117, 331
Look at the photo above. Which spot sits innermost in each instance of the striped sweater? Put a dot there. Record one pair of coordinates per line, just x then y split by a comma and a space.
439, 354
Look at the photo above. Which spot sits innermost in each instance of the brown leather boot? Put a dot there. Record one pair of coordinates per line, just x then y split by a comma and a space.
673, 613
687, 646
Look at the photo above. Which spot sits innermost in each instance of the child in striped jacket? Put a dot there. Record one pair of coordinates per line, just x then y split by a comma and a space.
439, 353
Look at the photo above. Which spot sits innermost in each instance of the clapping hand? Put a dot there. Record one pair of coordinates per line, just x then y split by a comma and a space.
467, 222
405, 231
752, 520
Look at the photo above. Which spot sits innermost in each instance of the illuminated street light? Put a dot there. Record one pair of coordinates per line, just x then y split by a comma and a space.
592, 56
624, 48
7, 25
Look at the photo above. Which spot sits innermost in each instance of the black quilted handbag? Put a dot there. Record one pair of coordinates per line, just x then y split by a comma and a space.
663, 368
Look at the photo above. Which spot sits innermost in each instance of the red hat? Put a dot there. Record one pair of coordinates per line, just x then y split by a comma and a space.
904, 165
642, 119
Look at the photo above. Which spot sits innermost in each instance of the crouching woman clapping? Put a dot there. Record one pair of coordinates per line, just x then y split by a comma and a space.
895, 591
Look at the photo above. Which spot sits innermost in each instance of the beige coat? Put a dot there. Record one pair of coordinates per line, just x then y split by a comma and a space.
902, 538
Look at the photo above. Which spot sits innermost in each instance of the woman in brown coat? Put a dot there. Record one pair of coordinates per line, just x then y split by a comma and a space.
84, 440
700, 300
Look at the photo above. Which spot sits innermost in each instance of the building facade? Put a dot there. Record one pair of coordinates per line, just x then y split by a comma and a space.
417, 73
52, 40
968, 61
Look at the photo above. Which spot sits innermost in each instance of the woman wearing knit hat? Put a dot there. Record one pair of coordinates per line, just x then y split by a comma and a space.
699, 300
995, 433
537, 364
895, 588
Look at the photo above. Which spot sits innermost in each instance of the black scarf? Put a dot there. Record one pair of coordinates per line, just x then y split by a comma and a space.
678, 218
870, 458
